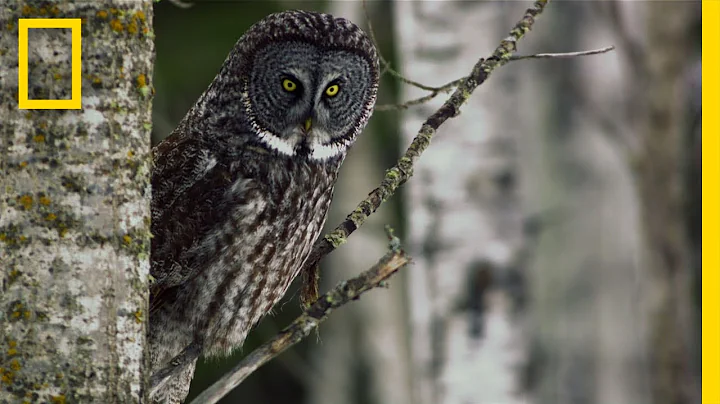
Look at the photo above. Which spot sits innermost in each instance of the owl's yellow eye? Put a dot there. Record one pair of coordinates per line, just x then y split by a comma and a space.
289, 85
332, 90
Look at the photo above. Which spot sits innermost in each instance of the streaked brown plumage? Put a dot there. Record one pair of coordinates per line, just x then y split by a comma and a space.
242, 187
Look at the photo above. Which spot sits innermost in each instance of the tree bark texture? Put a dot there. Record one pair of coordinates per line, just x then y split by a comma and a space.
464, 219
74, 211
587, 316
662, 130
602, 160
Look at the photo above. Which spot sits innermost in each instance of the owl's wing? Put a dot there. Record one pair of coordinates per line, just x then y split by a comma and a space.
190, 199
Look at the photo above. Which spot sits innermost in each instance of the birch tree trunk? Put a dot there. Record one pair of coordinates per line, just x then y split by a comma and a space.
364, 354
662, 129
74, 212
588, 324
606, 316
464, 220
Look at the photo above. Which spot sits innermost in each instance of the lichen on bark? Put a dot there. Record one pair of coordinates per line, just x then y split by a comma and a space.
74, 207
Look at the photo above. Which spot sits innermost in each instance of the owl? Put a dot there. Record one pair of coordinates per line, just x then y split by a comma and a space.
242, 187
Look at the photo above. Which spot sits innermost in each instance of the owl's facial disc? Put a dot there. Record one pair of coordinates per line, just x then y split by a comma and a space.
306, 101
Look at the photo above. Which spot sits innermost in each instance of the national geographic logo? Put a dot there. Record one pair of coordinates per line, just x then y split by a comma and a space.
24, 24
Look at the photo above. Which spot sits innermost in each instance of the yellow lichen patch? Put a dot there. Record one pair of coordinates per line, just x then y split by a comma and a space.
43, 125
3, 236
12, 352
28, 115
26, 201
22, 238
57, 76
43, 11
139, 316
132, 28
116, 25
140, 15
44, 200
27, 10
50, 217
102, 14
127, 239
62, 230
27, 314
59, 399
10, 26
54, 10
141, 81
15, 365
115, 11
16, 314
7, 377
12, 343
23, 164
13, 275
39, 138
130, 154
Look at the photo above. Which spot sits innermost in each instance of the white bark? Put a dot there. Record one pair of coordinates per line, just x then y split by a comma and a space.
465, 226
74, 211
592, 311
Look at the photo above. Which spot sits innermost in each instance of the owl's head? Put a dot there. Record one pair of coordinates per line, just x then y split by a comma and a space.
307, 83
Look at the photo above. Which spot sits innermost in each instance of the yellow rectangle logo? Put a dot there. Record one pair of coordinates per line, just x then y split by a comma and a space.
24, 24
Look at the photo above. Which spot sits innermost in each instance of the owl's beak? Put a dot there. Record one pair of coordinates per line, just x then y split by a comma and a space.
308, 124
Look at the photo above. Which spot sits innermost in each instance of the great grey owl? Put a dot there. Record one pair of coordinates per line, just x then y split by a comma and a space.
241, 189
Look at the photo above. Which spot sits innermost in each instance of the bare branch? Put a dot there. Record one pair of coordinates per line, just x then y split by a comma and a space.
343, 293
181, 4
398, 174
566, 55
447, 87
385, 65
442, 89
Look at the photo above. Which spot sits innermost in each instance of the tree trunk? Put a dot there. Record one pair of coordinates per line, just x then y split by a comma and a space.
74, 214
464, 220
608, 318
662, 130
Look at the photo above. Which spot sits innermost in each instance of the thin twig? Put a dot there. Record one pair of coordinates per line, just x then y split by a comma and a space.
442, 89
385, 65
397, 175
181, 4
343, 293
565, 55
437, 90
383, 62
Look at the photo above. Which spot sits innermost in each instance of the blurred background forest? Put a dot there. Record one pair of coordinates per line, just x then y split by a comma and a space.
555, 224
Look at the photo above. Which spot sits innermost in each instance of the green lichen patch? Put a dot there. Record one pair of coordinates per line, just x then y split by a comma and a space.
136, 242
12, 237
17, 311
